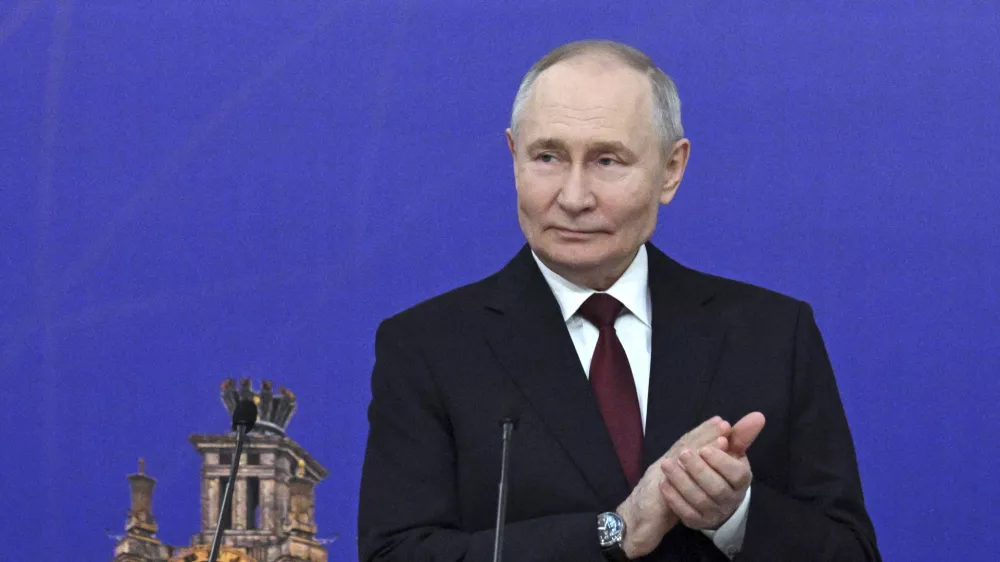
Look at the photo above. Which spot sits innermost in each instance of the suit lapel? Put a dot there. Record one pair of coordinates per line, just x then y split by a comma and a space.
687, 339
528, 335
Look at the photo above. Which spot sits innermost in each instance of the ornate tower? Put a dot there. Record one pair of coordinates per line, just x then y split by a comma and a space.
139, 544
272, 516
267, 519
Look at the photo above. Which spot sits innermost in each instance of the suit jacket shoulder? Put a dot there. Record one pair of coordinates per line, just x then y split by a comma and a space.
457, 311
676, 288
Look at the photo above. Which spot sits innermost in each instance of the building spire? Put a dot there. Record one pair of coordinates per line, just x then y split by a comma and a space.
302, 504
139, 541
140, 519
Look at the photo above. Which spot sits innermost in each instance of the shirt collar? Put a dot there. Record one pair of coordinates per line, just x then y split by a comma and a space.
631, 289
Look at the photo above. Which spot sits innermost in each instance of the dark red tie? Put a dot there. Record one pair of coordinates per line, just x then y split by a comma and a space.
614, 387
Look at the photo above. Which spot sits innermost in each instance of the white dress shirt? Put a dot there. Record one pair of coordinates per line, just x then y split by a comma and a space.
635, 330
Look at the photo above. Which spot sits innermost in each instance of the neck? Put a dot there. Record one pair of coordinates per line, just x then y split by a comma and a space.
597, 279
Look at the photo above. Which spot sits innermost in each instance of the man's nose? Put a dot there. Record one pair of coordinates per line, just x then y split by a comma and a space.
575, 195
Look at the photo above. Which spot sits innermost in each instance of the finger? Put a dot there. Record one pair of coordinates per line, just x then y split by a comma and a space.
745, 432
705, 434
708, 480
681, 480
678, 504
736, 472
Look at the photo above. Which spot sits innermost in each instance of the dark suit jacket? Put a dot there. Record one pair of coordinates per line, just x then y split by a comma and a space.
447, 370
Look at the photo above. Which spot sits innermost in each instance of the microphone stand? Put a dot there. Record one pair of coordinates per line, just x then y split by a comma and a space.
508, 431
227, 498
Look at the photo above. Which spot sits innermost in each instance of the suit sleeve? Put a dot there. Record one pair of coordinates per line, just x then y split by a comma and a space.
821, 517
408, 506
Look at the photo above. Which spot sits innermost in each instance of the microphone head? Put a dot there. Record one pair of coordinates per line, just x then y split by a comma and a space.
245, 414
511, 420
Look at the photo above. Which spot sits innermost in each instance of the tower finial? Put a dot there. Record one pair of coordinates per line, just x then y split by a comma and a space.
274, 410
142, 466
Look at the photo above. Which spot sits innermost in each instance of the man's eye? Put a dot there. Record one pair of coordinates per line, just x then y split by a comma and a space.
607, 161
546, 157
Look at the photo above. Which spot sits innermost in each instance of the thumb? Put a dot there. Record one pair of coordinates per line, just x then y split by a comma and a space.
744, 433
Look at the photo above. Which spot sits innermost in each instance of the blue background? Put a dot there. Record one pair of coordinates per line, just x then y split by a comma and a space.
198, 190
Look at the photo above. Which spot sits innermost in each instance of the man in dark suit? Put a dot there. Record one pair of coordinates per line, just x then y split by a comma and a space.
623, 368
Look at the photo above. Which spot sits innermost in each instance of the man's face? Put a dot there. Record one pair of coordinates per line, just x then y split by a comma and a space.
590, 168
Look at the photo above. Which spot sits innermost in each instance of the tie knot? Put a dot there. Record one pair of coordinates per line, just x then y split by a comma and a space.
601, 310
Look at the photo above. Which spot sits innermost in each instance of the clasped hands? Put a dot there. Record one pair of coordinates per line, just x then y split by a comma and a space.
699, 482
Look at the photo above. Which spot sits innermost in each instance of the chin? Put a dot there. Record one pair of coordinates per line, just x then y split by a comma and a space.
577, 258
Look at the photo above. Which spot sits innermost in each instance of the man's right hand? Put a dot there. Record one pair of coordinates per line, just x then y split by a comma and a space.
645, 512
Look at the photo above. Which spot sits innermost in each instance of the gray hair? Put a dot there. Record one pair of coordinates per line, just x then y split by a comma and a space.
666, 103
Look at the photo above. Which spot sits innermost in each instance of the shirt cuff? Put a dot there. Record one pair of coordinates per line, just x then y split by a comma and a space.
729, 537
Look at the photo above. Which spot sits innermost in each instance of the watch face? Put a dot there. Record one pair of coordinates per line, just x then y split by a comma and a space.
610, 529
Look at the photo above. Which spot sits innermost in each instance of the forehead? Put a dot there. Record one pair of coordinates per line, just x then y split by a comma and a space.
590, 97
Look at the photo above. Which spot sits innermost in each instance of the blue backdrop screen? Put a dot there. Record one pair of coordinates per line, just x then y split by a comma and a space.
199, 190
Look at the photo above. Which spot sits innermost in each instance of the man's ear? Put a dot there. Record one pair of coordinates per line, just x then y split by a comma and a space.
513, 150
676, 162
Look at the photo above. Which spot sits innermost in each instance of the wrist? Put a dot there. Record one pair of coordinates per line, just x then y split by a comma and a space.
632, 547
627, 519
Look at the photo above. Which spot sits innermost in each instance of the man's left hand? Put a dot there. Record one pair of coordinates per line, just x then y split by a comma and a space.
705, 486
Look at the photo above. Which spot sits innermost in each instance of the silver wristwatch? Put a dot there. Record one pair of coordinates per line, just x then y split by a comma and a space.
610, 534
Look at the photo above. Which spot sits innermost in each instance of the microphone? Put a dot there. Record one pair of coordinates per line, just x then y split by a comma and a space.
244, 418
507, 424
245, 415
